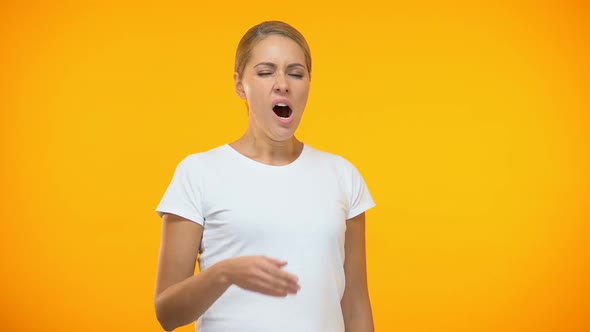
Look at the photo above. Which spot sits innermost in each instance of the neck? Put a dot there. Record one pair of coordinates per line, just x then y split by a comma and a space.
267, 151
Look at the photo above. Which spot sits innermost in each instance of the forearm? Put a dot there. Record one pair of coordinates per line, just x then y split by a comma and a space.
184, 302
360, 324
358, 316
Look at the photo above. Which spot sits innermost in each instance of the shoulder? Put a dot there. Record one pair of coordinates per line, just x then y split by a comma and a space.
322, 157
204, 159
196, 166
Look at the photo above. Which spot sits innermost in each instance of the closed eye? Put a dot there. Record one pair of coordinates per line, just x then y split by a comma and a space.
264, 74
296, 75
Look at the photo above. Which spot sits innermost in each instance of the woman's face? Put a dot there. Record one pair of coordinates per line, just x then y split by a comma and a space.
275, 84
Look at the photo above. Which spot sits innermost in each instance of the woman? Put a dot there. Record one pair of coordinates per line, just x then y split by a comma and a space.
278, 227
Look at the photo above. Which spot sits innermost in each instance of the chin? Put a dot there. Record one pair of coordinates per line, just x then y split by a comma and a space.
283, 135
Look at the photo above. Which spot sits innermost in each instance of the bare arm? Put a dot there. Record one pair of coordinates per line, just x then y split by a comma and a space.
182, 296
356, 305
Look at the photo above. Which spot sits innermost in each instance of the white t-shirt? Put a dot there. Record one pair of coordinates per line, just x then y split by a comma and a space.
295, 213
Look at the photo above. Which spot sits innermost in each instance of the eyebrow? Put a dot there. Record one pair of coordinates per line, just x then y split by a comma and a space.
270, 64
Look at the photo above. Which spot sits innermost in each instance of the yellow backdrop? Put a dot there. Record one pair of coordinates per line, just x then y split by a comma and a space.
470, 123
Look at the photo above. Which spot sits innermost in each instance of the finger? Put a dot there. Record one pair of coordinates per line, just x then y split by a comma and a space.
275, 268
276, 262
285, 281
281, 280
286, 276
269, 286
274, 292
280, 277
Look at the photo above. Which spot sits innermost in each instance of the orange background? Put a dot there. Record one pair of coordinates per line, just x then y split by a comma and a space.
470, 123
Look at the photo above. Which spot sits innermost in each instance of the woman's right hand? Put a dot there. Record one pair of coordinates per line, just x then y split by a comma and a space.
261, 274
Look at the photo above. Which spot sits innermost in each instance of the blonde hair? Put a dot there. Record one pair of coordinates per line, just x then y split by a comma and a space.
263, 30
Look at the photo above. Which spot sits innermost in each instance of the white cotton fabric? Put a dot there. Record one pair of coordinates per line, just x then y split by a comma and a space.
295, 213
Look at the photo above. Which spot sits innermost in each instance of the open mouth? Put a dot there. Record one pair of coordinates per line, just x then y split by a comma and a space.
282, 110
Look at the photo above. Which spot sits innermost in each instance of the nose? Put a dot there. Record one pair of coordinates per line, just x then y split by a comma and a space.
281, 84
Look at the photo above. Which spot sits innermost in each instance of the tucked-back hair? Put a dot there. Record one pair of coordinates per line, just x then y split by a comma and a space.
263, 30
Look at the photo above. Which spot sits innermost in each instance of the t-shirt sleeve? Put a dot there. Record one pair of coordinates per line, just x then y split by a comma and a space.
183, 195
360, 197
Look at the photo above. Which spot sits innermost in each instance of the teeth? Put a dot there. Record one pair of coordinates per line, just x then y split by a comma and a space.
281, 105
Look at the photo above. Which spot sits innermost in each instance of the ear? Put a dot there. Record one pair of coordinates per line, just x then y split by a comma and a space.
239, 87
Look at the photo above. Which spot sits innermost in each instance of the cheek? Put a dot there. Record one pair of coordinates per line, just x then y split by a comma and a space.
253, 90
256, 100
251, 99
248, 90
302, 96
